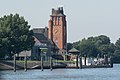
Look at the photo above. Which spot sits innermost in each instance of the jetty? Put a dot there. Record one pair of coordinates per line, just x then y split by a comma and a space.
9, 65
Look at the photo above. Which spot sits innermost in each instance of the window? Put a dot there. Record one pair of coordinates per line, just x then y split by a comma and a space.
52, 18
58, 18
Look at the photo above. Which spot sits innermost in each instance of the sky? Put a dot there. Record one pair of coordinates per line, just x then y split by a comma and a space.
85, 18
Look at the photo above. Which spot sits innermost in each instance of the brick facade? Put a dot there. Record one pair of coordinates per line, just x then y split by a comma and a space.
57, 28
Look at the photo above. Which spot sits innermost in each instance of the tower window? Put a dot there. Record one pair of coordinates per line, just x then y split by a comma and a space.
52, 18
58, 17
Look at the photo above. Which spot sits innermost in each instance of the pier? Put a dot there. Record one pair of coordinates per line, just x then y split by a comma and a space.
52, 64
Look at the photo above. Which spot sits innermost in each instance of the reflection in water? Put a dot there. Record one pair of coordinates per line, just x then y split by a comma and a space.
64, 74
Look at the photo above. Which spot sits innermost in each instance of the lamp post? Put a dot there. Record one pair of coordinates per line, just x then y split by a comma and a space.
41, 62
51, 63
25, 63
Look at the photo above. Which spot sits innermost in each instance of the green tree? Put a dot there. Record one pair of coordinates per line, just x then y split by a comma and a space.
76, 45
107, 49
15, 35
92, 46
69, 46
87, 48
117, 51
103, 45
116, 55
104, 39
118, 43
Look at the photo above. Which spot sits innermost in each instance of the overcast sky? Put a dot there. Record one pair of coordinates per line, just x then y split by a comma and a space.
85, 18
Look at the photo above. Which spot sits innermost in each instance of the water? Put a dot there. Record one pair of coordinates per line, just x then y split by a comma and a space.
64, 74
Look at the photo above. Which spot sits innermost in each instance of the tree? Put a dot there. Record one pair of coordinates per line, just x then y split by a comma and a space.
107, 49
118, 43
87, 48
116, 55
69, 46
15, 35
92, 46
76, 45
104, 39
117, 51
103, 45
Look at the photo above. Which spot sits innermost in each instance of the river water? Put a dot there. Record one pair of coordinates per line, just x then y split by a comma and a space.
64, 74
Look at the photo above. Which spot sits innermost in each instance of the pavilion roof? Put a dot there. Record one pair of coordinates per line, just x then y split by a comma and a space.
73, 50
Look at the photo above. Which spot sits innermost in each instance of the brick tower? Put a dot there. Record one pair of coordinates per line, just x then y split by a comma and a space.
57, 29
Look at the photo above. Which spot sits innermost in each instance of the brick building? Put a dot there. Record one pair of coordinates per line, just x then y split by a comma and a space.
53, 37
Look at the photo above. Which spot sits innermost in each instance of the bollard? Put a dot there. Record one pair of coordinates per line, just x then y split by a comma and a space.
25, 63
14, 67
80, 62
111, 62
51, 63
41, 63
106, 59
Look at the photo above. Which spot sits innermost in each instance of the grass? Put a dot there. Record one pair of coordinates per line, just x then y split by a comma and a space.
62, 61
37, 61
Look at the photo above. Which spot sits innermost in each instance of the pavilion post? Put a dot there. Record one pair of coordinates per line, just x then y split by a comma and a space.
85, 60
76, 61
106, 59
80, 62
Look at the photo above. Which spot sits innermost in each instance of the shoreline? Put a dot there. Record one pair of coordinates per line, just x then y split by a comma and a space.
8, 65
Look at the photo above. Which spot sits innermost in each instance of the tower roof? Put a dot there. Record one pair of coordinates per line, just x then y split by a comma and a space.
58, 12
